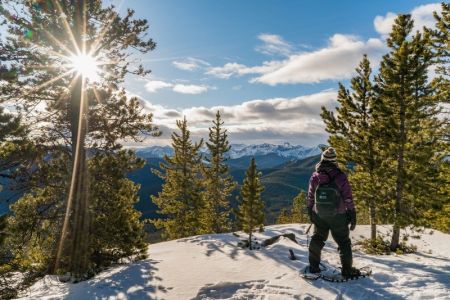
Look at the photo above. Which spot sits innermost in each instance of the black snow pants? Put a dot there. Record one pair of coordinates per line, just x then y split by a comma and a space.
338, 225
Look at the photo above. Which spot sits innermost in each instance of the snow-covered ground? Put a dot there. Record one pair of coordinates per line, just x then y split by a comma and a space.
212, 267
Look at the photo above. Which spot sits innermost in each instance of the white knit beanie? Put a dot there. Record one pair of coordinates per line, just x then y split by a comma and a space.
329, 155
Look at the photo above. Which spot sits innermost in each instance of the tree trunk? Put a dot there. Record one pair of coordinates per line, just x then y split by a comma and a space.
373, 221
372, 206
74, 236
399, 184
79, 190
397, 214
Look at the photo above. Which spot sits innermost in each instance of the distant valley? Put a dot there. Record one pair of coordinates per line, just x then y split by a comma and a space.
286, 170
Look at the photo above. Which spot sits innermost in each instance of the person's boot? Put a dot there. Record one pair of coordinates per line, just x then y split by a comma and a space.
314, 269
350, 272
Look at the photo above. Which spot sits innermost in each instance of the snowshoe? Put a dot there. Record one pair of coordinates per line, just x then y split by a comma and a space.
333, 274
312, 274
350, 272
336, 275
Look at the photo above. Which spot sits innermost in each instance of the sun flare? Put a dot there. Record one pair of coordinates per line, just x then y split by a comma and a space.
86, 66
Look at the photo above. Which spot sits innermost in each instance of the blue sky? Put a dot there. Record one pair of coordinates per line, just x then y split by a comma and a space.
267, 65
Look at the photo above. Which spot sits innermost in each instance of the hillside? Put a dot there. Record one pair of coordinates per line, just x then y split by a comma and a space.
283, 183
282, 179
212, 267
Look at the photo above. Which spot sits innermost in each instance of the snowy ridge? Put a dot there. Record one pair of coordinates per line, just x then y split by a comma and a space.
212, 267
286, 150
240, 150
155, 151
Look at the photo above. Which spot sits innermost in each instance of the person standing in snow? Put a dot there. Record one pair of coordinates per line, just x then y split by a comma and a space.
331, 208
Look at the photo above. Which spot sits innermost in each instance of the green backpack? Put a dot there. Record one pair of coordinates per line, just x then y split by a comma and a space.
327, 197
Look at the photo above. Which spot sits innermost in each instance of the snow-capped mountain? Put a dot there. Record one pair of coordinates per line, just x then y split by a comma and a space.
285, 150
155, 151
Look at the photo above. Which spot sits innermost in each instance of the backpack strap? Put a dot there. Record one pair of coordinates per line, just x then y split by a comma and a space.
331, 178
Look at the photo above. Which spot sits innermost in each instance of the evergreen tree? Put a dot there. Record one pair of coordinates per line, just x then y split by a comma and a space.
218, 182
297, 214
251, 209
439, 215
15, 149
37, 218
117, 230
284, 217
42, 48
440, 43
406, 116
180, 202
352, 134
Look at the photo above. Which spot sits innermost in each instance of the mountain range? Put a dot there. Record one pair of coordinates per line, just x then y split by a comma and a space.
285, 171
285, 150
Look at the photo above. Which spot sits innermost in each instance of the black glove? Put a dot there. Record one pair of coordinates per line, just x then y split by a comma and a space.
312, 215
351, 219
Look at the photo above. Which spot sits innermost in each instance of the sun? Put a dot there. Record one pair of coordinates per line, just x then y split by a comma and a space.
86, 66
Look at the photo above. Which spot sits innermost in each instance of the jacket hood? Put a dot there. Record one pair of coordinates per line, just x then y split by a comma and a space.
326, 166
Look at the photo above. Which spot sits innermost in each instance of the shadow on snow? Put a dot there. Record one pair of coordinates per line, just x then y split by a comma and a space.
373, 287
134, 281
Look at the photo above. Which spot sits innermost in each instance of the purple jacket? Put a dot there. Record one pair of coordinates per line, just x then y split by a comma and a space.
346, 203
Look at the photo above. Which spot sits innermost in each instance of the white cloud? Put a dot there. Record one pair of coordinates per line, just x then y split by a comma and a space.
235, 69
191, 89
422, 16
336, 61
155, 85
383, 24
273, 45
228, 70
276, 119
190, 64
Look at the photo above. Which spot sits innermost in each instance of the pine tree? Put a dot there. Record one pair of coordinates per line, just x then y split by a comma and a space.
218, 182
299, 214
41, 49
251, 208
15, 149
113, 197
406, 117
439, 214
36, 220
352, 134
180, 202
284, 217
115, 232
440, 42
